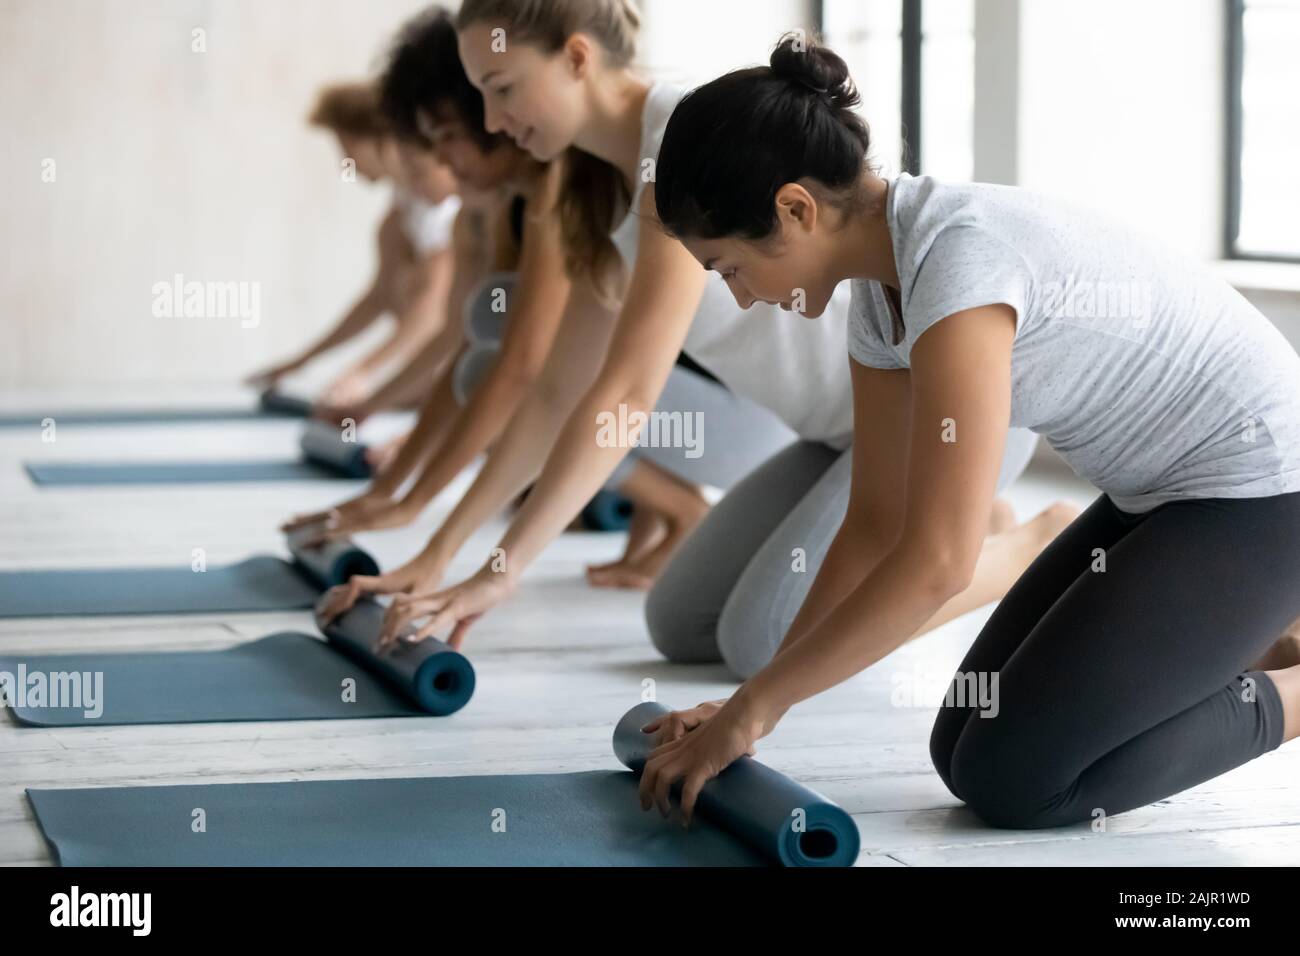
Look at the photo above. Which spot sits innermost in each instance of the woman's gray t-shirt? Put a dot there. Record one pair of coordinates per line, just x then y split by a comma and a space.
1151, 376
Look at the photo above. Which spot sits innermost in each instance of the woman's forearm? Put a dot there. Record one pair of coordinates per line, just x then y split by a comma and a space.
473, 430
576, 468
896, 598
407, 339
410, 386
572, 363
514, 461
851, 557
421, 317
435, 417
359, 318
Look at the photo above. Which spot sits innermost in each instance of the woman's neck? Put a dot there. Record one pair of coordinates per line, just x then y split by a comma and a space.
867, 252
525, 175
613, 130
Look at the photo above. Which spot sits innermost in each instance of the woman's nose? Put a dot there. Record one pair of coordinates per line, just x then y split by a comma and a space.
743, 298
492, 118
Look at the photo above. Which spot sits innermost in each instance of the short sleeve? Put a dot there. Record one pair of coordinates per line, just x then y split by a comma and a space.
866, 347
966, 267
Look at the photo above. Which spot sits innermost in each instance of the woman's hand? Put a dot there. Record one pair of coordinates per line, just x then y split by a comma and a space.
455, 609
350, 388
336, 523
709, 738
368, 502
422, 573
268, 378
675, 725
338, 414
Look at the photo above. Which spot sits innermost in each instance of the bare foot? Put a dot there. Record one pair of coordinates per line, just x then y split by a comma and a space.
1054, 519
639, 573
645, 531
1003, 517
1284, 653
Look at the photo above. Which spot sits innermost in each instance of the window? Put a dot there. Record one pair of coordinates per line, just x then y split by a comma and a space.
1263, 214
914, 63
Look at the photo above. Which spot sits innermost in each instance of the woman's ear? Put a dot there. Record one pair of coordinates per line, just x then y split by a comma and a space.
577, 55
796, 207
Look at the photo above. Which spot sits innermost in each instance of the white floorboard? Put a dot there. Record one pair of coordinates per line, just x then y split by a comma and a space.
556, 667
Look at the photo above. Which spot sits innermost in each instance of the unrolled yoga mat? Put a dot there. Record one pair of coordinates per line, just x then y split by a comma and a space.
260, 583
573, 819
324, 455
286, 676
270, 405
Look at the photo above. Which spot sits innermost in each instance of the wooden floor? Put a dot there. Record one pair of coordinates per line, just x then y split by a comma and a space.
556, 667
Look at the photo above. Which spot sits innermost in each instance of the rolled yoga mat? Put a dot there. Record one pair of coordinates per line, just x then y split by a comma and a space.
607, 511
259, 583
286, 676
324, 455
781, 819
568, 819
270, 405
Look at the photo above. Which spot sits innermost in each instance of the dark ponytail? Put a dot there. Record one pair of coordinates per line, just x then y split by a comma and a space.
732, 143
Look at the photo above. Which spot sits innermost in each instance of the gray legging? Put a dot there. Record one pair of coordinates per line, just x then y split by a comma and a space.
726, 436
1115, 685
732, 590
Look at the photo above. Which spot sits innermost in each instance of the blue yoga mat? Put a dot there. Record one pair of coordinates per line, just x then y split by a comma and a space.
260, 583
607, 511
781, 819
270, 405
570, 819
324, 456
286, 676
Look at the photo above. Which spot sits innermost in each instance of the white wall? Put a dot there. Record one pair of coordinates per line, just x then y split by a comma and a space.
1121, 107
173, 161
692, 41
166, 161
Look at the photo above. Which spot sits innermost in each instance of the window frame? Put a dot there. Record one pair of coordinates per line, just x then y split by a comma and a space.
912, 41
1234, 71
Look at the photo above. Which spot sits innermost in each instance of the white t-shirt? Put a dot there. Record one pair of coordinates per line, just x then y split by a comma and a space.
427, 225
781, 360
1151, 376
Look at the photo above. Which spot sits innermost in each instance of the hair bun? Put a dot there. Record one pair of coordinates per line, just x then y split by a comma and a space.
818, 69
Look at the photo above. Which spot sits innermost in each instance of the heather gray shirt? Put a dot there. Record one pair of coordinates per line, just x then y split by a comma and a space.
1151, 376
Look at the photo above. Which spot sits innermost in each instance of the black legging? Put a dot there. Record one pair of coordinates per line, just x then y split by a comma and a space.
1118, 688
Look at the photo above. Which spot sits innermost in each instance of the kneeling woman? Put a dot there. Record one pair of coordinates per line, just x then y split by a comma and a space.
1124, 652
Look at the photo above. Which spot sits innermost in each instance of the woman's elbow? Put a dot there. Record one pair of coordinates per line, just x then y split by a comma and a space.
944, 571
518, 374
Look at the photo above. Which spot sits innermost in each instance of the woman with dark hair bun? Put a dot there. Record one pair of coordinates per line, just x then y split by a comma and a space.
1152, 645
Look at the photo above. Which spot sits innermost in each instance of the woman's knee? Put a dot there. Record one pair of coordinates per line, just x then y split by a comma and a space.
943, 741
679, 629
748, 636
992, 776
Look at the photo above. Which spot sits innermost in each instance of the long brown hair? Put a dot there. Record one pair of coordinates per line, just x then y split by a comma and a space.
593, 191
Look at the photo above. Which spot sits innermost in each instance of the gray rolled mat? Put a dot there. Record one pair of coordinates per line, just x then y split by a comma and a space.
286, 676
260, 583
784, 821
324, 456
571, 819
270, 405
